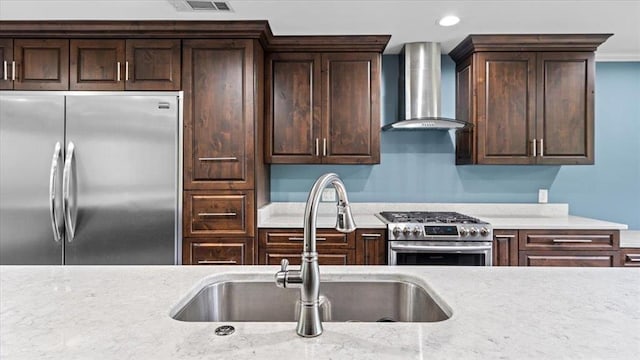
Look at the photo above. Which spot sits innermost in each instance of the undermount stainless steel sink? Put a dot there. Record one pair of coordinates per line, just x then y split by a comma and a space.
358, 300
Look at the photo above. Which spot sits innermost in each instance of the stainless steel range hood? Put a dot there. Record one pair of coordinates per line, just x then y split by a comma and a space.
420, 90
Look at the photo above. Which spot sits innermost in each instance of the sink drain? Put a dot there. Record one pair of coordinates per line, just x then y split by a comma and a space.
385, 319
225, 330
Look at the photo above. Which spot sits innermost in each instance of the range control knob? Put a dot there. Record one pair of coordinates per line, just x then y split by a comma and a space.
406, 230
473, 231
464, 231
417, 230
484, 231
396, 231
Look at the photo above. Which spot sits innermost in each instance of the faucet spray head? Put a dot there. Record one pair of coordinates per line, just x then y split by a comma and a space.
344, 222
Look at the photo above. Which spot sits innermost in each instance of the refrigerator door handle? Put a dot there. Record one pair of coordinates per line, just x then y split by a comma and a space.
53, 175
69, 205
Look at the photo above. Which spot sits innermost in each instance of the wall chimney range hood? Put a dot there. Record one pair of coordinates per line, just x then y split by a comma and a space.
420, 90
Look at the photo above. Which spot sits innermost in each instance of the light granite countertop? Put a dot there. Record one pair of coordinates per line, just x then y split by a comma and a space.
55, 312
500, 216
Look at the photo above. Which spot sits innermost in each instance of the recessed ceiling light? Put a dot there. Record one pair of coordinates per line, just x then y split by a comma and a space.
449, 20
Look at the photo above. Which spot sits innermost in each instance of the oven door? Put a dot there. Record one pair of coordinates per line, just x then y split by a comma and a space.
456, 253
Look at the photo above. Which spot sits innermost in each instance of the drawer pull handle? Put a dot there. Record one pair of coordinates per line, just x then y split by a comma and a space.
370, 235
633, 257
302, 239
572, 240
505, 236
217, 262
217, 214
222, 158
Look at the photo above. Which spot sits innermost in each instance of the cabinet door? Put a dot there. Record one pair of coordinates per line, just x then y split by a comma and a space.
41, 64
465, 110
371, 247
218, 114
218, 252
505, 248
7, 62
152, 65
293, 108
351, 108
565, 107
97, 64
569, 258
506, 108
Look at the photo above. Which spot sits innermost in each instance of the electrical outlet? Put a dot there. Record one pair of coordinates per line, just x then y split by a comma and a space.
329, 195
543, 196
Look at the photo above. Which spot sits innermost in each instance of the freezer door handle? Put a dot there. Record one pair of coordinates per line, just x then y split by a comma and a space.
53, 175
69, 192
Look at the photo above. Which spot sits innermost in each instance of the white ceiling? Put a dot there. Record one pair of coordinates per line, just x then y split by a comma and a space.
405, 20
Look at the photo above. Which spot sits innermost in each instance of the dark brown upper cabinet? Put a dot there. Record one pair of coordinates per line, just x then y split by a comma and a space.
34, 64
323, 108
125, 64
529, 97
218, 114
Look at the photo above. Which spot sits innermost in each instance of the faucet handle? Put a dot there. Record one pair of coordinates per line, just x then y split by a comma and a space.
284, 264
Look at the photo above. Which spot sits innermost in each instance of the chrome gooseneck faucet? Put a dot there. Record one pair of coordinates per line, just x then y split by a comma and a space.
308, 277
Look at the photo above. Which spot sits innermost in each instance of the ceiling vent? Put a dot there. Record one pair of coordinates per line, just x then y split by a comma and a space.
199, 5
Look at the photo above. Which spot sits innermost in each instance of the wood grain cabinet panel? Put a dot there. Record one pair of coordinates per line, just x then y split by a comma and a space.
274, 256
97, 65
6, 64
217, 252
565, 109
153, 64
569, 239
569, 258
218, 114
41, 64
529, 98
228, 213
323, 108
371, 246
293, 108
630, 257
505, 248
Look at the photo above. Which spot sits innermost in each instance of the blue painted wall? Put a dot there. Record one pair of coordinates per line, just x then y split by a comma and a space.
420, 166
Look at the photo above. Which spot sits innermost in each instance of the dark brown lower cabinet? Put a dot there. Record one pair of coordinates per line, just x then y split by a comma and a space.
371, 247
325, 257
361, 247
505, 248
230, 251
593, 248
570, 258
630, 257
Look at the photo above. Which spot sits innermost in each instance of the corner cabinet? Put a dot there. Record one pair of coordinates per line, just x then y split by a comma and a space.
530, 98
323, 108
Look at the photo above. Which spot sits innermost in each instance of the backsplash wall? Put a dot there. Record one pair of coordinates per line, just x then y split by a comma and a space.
419, 166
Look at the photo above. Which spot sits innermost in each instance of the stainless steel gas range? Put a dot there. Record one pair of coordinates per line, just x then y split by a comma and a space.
437, 238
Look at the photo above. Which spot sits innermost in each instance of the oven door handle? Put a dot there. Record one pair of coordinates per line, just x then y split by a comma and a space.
440, 248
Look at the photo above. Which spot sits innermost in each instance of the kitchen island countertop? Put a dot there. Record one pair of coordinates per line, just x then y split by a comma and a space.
101, 312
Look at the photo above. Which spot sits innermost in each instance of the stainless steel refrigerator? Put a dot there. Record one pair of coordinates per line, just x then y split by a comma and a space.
90, 177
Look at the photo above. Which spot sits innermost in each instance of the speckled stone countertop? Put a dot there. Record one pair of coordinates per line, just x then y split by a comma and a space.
55, 312
500, 216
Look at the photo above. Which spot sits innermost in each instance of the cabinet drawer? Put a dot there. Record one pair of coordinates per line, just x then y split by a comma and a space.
630, 257
569, 239
219, 214
569, 258
238, 252
335, 257
325, 238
